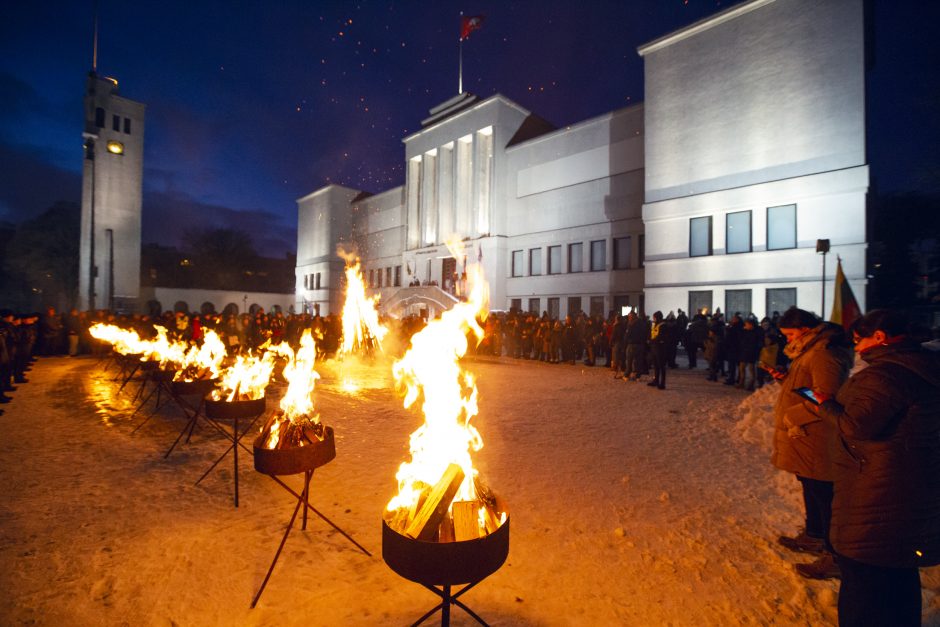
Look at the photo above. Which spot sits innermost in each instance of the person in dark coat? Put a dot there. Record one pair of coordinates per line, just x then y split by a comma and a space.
886, 507
659, 340
695, 335
821, 359
732, 347
749, 345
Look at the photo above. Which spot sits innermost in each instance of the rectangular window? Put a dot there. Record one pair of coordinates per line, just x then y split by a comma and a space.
781, 227
597, 306
516, 304
575, 257
621, 253
700, 302
700, 236
127, 126
780, 299
738, 232
378, 277
517, 269
388, 276
371, 278
574, 305
554, 308
318, 281
737, 302
598, 255
641, 252
116, 123
99, 117
397, 276
306, 282
554, 259
535, 261
534, 305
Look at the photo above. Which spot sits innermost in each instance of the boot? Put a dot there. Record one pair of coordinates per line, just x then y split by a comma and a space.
802, 543
823, 568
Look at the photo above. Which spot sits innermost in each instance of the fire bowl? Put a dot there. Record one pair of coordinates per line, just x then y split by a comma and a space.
200, 387
149, 366
231, 410
295, 459
445, 563
162, 375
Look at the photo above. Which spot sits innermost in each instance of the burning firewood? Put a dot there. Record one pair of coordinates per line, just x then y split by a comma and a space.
280, 433
466, 520
425, 524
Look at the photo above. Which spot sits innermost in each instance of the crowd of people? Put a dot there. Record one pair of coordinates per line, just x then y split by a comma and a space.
865, 447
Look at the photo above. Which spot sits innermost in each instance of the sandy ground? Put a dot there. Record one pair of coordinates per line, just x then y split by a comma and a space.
630, 506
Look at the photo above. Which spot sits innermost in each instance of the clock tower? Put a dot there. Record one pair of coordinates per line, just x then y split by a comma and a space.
112, 174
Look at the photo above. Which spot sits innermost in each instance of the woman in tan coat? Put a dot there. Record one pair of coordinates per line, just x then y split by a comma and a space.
821, 357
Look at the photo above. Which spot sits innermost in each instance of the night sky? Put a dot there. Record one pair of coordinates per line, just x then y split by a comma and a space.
251, 105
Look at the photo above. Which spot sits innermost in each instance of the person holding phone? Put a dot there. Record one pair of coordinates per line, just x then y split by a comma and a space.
821, 357
886, 509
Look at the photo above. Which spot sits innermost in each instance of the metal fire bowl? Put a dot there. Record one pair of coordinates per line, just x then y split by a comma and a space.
223, 410
149, 366
163, 375
445, 563
200, 387
296, 459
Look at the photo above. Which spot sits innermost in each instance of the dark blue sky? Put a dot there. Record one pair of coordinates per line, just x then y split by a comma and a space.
251, 105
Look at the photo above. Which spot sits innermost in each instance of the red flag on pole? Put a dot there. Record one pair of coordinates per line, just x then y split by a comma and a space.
845, 309
469, 24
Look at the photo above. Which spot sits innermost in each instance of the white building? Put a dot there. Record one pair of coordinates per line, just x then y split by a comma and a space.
112, 175
749, 148
755, 126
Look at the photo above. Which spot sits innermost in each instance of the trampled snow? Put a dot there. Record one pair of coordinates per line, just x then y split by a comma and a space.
629, 506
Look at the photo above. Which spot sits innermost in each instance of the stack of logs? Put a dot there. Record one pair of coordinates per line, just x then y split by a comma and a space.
436, 517
290, 433
193, 373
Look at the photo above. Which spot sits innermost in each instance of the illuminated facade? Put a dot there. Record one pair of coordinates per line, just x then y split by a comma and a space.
112, 174
749, 148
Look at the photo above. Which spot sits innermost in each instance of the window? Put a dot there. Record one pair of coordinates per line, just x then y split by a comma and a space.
575, 257
641, 249
737, 301
535, 261
534, 305
378, 277
317, 286
700, 236
306, 281
388, 276
781, 228
699, 301
99, 117
517, 269
780, 299
127, 126
621, 301
621, 253
554, 308
598, 255
574, 305
371, 278
597, 306
738, 232
516, 304
116, 123
554, 259
397, 276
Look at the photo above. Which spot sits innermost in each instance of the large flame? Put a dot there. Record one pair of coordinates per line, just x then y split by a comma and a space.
360, 316
301, 378
430, 371
124, 341
246, 379
203, 361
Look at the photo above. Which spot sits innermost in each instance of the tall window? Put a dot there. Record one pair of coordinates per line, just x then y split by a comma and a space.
388, 276
318, 281
516, 304
517, 269
127, 126
574, 305
700, 236
641, 252
575, 257
621, 253
554, 259
780, 299
781, 227
397, 276
99, 117
598, 255
597, 306
371, 278
535, 261
554, 308
378, 277
116, 123
534, 305
738, 232
699, 300
306, 282
737, 301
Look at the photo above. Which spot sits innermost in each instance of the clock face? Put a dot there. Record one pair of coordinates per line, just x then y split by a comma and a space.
115, 147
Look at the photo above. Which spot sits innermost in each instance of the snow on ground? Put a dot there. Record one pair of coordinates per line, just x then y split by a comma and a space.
629, 505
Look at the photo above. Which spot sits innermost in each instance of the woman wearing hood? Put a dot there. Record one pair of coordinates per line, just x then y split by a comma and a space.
886, 507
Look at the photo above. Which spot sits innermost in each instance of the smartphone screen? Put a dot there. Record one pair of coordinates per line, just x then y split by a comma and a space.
807, 393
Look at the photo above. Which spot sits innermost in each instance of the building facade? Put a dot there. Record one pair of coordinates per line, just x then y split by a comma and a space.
112, 175
711, 194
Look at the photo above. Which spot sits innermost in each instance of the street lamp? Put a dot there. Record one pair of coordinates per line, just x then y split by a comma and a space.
822, 246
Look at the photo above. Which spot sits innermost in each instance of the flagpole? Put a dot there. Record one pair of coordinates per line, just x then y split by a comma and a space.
460, 59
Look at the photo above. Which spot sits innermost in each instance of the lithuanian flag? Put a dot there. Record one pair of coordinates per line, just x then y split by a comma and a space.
845, 309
